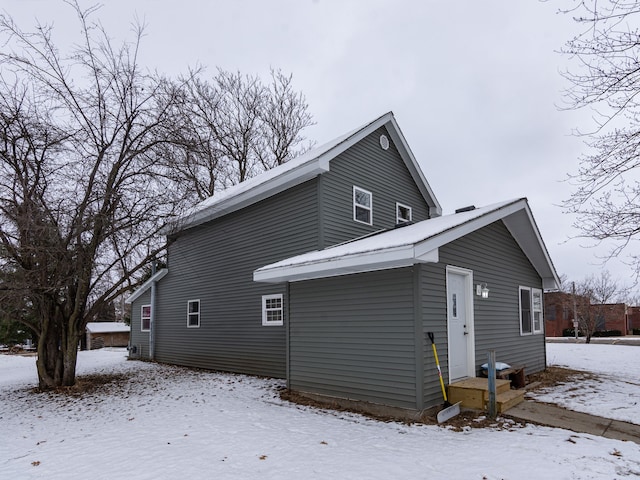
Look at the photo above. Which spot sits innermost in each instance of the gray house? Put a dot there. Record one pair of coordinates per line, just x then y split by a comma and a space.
330, 269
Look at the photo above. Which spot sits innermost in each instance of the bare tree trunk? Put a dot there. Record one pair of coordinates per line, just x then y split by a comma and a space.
49, 362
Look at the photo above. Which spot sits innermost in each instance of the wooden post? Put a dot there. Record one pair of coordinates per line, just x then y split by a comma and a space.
492, 384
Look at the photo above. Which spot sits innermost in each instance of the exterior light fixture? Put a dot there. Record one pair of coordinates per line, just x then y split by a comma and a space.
482, 290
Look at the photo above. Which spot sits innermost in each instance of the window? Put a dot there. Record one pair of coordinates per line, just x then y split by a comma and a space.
272, 312
193, 313
403, 214
145, 318
530, 311
362, 206
550, 313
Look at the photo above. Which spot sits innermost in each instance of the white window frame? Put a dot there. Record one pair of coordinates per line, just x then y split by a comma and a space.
368, 208
190, 313
533, 310
265, 310
142, 317
399, 219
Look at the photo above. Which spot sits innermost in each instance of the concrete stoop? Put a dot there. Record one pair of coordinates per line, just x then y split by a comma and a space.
474, 393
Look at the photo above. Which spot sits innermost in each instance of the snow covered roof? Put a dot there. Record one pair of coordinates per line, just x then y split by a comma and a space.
417, 243
299, 170
146, 285
107, 327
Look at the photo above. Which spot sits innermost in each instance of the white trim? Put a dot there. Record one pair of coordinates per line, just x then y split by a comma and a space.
400, 220
520, 289
357, 263
265, 311
533, 311
471, 336
142, 307
531, 291
301, 169
416, 243
357, 205
146, 285
189, 313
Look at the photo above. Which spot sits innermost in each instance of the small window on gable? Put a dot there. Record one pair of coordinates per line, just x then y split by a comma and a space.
403, 213
193, 313
362, 206
272, 311
530, 311
145, 318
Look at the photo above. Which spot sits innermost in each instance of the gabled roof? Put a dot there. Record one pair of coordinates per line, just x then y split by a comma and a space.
299, 170
146, 285
107, 327
417, 243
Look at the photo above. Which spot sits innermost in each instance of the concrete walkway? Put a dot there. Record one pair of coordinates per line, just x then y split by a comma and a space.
553, 416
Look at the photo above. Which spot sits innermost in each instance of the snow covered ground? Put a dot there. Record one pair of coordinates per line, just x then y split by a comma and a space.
163, 422
614, 392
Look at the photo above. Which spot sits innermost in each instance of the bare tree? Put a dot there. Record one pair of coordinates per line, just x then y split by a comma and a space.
94, 157
81, 201
593, 294
606, 80
236, 128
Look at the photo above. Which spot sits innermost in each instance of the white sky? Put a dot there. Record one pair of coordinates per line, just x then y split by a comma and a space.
474, 85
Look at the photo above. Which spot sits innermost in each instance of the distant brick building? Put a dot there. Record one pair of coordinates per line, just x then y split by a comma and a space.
558, 310
633, 315
558, 307
611, 316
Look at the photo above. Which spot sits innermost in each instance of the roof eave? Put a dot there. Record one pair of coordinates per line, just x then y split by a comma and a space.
265, 190
435, 210
308, 170
523, 229
383, 259
146, 285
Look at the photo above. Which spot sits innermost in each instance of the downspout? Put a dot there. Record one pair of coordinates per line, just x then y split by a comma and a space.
152, 319
287, 319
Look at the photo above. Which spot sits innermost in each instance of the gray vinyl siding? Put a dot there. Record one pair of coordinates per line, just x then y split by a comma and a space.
433, 305
214, 263
353, 337
381, 172
137, 337
495, 259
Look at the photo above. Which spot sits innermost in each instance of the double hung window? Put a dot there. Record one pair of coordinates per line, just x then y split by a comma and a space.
362, 206
193, 313
530, 311
272, 310
145, 318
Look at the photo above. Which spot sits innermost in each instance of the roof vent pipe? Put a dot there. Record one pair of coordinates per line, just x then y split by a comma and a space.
466, 209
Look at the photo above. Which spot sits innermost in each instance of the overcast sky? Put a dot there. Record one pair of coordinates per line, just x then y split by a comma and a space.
474, 85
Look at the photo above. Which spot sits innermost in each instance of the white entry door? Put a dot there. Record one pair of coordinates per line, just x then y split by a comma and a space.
460, 324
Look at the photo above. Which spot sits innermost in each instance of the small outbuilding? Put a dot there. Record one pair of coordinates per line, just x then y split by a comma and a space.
106, 334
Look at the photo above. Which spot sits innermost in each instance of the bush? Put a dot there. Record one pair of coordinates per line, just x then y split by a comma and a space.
607, 333
570, 332
636, 331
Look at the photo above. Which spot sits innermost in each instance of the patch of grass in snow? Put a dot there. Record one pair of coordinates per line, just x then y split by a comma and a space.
553, 376
88, 384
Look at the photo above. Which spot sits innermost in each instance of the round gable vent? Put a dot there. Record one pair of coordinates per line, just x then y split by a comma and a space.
384, 142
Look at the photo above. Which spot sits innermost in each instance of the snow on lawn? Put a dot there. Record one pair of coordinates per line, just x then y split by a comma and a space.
164, 422
614, 390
